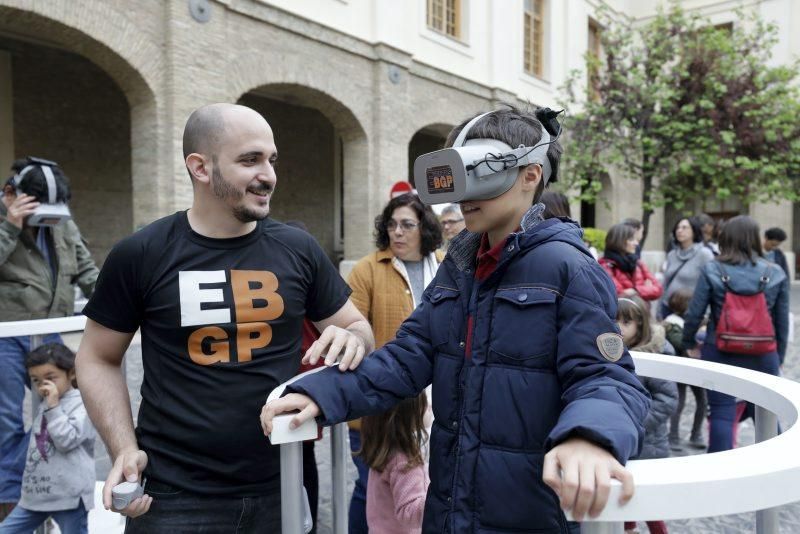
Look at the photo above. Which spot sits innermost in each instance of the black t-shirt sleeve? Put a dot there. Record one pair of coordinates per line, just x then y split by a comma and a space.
116, 302
328, 292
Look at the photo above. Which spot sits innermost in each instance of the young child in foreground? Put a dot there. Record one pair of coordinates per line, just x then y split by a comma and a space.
633, 318
534, 394
59, 473
392, 448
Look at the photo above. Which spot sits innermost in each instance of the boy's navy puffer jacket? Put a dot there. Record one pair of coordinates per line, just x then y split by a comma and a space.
536, 376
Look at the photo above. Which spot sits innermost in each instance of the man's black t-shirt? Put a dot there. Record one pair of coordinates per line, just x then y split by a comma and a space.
221, 325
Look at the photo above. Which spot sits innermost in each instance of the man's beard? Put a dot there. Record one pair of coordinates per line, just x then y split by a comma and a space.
225, 191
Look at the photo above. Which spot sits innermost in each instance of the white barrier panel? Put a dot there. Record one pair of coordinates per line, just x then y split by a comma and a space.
750, 478
38, 327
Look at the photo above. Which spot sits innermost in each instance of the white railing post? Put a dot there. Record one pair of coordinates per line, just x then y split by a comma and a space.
340, 453
292, 508
766, 428
602, 528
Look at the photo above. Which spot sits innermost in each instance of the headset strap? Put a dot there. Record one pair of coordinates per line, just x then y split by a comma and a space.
48, 176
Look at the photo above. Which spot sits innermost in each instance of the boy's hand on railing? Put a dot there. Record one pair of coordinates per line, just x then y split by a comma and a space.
580, 473
338, 342
308, 409
128, 467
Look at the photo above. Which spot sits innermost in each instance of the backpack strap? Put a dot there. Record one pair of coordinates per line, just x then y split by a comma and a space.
762, 282
725, 277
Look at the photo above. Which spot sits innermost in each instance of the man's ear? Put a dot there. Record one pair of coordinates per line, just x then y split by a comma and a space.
531, 177
200, 167
9, 191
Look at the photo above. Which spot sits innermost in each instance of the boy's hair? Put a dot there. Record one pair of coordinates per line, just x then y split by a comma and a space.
35, 183
775, 234
618, 236
430, 229
399, 430
555, 205
54, 354
634, 309
678, 302
514, 127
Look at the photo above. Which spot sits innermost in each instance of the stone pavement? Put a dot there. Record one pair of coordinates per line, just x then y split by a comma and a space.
732, 524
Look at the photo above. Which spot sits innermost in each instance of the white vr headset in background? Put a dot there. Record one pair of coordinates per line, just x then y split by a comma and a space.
50, 213
478, 169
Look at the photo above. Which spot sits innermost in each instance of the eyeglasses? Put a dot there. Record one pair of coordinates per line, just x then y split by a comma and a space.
405, 225
449, 222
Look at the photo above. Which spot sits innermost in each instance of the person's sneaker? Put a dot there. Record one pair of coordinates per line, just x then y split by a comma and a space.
675, 443
697, 442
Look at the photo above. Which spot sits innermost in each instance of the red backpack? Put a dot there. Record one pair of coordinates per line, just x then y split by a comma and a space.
745, 325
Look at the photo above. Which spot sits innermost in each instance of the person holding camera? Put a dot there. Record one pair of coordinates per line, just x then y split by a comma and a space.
42, 256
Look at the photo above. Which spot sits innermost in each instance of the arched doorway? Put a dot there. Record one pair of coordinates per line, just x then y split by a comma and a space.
322, 160
66, 95
68, 110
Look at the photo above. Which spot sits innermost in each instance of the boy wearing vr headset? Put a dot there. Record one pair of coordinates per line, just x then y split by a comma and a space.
535, 401
42, 256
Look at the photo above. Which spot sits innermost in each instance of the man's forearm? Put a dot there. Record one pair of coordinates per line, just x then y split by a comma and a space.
105, 395
362, 329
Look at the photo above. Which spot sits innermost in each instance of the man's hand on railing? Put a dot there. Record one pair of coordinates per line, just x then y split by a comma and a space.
308, 409
339, 345
580, 473
128, 467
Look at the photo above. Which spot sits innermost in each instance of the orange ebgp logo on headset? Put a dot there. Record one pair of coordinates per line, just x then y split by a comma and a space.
440, 179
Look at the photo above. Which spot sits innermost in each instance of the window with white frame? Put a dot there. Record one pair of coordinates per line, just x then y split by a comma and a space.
444, 16
533, 37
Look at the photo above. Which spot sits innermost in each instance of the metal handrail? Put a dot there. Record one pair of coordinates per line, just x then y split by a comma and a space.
758, 477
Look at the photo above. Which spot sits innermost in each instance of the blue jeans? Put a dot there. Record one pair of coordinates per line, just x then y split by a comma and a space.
13, 438
177, 511
21, 521
357, 517
723, 407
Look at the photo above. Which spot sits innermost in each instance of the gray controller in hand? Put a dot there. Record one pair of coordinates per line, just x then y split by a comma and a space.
125, 493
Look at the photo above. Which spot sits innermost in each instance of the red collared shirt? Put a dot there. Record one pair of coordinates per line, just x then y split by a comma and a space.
488, 258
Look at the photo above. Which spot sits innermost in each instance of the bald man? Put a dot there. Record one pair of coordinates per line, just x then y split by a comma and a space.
219, 293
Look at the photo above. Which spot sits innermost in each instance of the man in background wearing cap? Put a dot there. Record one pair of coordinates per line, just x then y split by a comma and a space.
39, 266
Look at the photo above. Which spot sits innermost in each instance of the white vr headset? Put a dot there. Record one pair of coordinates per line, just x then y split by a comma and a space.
478, 169
50, 213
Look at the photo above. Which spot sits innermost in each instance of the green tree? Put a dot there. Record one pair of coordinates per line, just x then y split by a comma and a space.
688, 109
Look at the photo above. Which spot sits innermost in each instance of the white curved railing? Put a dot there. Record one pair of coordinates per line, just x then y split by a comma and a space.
757, 477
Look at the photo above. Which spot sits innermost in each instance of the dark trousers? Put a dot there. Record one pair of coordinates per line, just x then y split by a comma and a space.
177, 511
699, 412
358, 504
722, 407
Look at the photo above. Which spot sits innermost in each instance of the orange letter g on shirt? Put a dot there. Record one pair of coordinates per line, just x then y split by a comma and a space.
255, 301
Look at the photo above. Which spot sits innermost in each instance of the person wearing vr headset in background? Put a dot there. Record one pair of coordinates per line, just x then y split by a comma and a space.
42, 256
535, 399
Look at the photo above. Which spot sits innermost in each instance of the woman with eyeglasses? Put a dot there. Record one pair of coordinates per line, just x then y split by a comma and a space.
387, 285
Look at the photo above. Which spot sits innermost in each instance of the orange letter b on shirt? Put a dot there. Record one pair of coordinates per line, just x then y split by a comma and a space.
246, 296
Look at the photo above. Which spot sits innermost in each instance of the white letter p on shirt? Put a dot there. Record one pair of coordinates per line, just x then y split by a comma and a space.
192, 298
